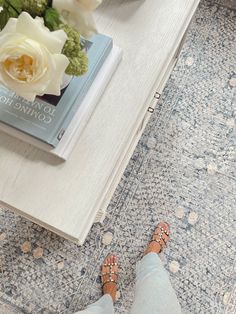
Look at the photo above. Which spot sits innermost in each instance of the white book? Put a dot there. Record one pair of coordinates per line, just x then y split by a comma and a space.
82, 115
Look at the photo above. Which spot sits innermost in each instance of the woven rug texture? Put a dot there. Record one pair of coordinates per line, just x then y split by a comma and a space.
183, 171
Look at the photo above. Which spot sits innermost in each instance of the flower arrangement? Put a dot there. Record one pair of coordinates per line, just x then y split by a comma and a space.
40, 42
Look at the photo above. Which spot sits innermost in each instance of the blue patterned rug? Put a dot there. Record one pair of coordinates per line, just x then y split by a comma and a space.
183, 171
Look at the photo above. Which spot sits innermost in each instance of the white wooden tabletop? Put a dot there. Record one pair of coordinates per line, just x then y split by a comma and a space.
65, 197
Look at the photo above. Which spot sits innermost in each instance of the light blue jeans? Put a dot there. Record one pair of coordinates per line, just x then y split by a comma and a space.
153, 292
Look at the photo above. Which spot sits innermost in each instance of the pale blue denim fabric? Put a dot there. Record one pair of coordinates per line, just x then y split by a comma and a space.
153, 292
103, 306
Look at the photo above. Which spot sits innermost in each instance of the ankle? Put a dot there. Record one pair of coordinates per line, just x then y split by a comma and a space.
111, 291
152, 249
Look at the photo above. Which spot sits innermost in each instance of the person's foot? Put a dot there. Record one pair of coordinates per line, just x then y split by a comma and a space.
109, 276
159, 238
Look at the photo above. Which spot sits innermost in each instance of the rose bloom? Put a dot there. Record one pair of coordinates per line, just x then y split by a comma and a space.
31, 62
77, 13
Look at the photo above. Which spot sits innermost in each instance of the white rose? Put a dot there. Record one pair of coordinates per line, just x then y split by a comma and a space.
31, 62
77, 13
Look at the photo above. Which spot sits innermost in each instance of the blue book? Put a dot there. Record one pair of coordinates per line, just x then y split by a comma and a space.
48, 116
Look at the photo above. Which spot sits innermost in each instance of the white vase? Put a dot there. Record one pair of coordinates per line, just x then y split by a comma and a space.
66, 79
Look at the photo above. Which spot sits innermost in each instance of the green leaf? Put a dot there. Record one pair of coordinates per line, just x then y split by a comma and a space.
11, 8
16, 5
52, 19
4, 16
12, 12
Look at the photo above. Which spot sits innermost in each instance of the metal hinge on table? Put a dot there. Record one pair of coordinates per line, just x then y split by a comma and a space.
150, 109
157, 96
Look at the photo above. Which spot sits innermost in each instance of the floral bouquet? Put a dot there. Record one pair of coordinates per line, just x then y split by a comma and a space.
40, 42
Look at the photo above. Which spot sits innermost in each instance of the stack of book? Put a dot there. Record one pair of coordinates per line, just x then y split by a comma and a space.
54, 123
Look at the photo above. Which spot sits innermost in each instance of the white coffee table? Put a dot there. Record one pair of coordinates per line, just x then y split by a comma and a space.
68, 197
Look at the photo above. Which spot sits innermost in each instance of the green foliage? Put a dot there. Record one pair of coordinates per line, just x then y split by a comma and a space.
16, 5
78, 65
72, 49
35, 7
74, 52
52, 19
4, 16
11, 8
